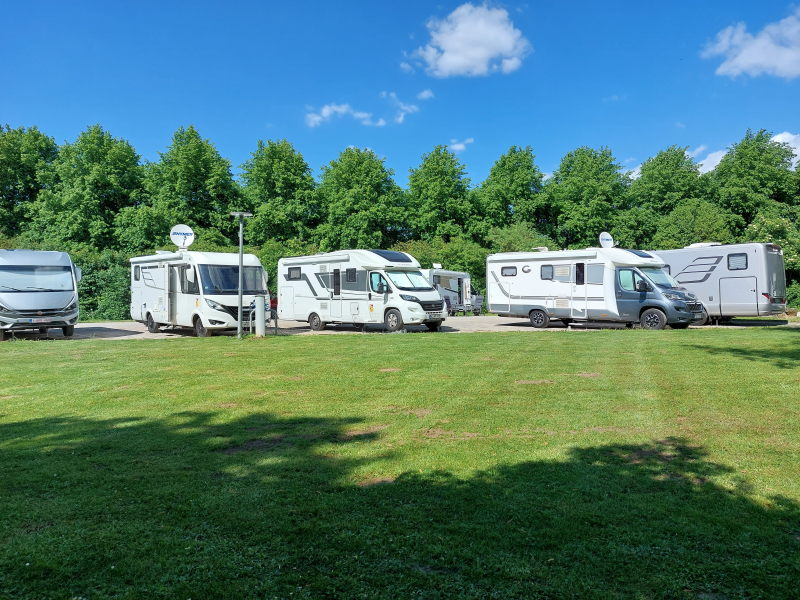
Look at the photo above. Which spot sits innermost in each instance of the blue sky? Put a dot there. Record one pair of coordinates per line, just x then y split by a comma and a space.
401, 78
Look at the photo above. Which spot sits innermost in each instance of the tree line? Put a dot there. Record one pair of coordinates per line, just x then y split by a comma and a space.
96, 198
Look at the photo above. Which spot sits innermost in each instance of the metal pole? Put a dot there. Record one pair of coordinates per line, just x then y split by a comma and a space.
241, 274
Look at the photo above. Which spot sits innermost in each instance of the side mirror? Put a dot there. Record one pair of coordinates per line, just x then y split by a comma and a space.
190, 275
382, 289
78, 274
641, 286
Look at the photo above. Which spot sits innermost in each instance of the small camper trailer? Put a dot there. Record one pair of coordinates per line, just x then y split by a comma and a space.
595, 284
38, 291
455, 287
732, 280
358, 287
194, 289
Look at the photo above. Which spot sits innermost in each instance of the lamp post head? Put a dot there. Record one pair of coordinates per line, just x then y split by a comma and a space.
241, 214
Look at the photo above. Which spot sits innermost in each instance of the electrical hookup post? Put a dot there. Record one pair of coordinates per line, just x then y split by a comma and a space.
241, 216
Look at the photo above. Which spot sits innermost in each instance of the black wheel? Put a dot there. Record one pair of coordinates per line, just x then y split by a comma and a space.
5, 335
359, 326
476, 312
705, 319
653, 318
434, 326
200, 330
152, 326
539, 319
315, 322
393, 320
679, 326
42, 329
68, 330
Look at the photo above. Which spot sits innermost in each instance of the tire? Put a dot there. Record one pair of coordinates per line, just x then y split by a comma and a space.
477, 313
200, 330
539, 319
434, 326
393, 320
705, 320
653, 318
5, 335
315, 322
679, 326
152, 326
359, 326
42, 329
68, 331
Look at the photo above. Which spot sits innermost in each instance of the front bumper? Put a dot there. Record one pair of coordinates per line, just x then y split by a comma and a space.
683, 312
17, 321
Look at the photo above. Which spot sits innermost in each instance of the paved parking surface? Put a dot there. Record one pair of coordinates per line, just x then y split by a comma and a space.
130, 330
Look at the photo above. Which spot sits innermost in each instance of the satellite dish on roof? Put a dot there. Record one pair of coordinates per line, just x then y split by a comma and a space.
606, 241
182, 236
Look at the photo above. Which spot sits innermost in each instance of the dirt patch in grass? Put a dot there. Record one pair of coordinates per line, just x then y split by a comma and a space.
258, 444
533, 381
375, 481
389, 370
295, 377
436, 433
586, 374
420, 412
356, 433
229, 405
230, 354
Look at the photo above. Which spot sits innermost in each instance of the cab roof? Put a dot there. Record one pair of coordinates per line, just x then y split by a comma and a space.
201, 258
366, 259
39, 258
617, 256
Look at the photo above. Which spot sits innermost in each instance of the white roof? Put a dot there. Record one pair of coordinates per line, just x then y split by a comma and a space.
40, 258
200, 258
367, 259
618, 256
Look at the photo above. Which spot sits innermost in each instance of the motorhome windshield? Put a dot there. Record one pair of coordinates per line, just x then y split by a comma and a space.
659, 276
224, 279
17, 278
411, 281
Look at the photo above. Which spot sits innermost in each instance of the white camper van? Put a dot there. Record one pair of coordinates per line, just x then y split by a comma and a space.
455, 287
359, 287
194, 289
38, 290
732, 280
595, 284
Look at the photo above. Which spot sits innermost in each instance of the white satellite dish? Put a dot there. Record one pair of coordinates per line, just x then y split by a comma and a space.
437, 265
606, 241
182, 236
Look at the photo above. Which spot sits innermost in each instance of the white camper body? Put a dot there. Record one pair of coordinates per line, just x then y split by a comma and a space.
194, 289
731, 280
455, 287
595, 284
358, 287
38, 290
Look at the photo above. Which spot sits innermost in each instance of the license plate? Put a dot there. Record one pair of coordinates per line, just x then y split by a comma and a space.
44, 320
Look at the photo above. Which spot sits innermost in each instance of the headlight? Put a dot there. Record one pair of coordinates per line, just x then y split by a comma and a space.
4, 308
672, 296
409, 298
72, 305
215, 305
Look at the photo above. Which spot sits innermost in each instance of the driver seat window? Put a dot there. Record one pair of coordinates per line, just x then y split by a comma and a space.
375, 280
629, 279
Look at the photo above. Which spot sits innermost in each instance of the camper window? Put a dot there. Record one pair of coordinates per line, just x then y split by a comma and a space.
580, 270
629, 279
350, 275
294, 274
562, 272
594, 274
546, 272
508, 271
189, 281
737, 262
137, 273
378, 283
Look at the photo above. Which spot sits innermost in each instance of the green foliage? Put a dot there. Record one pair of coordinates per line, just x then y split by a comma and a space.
278, 184
24, 155
87, 184
793, 295
666, 179
588, 189
362, 202
511, 191
517, 237
438, 196
635, 227
695, 221
753, 172
778, 223
272, 250
104, 290
458, 254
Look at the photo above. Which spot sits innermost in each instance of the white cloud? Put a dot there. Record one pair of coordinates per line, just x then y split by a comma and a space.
405, 66
457, 146
636, 172
425, 95
615, 98
473, 41
793, 140
327, 112
403, 109
711, 161
775, 50
697, 151
680, 125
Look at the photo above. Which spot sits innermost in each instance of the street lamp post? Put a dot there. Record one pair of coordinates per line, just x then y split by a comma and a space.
241, 216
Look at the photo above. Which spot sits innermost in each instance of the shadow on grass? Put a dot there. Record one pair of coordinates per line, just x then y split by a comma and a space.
781, 357
194, 506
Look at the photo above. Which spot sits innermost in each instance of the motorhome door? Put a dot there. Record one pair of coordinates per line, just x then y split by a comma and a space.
578, 301
376, 297
336, 292
738, 296
174, 291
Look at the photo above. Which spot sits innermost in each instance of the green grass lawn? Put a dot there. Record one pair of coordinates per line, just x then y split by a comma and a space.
599, 464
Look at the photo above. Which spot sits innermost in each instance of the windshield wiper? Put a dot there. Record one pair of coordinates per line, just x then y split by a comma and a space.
8, 287
30, 287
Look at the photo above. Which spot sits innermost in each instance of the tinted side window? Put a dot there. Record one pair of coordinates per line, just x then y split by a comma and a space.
375, 280
626, 280
546, 272
580, 269
594, 274
294, 273
137, 273
350, 275
562, 273
189, 287
737, 262
508, 271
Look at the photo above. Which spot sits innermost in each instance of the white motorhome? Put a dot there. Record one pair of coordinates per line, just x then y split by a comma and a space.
455, 287
38, 291
731, 280
595, 284
194, 289
358, 287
